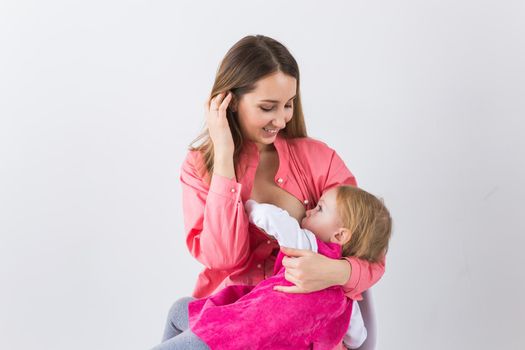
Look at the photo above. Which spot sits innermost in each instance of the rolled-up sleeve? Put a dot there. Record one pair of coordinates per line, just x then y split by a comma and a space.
364, 275
215, 222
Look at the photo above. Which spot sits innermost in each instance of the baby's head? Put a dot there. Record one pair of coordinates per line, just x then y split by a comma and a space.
353, 218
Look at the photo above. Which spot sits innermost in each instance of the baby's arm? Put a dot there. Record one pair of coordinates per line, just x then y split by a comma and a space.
278, 223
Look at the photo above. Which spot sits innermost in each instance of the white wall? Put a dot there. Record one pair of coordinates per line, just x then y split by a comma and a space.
98, 100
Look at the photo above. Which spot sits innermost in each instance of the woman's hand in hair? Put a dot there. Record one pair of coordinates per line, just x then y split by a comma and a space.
218, 126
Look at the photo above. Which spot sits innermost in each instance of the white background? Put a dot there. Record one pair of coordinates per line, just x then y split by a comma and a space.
424, 100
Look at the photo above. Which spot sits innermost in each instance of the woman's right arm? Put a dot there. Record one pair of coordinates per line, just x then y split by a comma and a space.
215, 221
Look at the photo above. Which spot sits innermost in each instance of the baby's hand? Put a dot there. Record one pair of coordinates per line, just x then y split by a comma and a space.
249, 206
255, 211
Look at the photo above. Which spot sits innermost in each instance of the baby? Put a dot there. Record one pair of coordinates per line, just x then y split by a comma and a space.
347, 221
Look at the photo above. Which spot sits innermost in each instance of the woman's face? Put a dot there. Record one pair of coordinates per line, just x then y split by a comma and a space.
266, 109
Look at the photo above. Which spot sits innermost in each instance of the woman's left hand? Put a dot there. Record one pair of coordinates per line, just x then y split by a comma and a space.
310, 272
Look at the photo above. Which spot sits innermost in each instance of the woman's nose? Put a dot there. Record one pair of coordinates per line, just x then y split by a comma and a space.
280, 122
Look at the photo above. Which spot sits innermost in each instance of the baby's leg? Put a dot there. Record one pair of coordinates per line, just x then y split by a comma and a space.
177, 321
183, 341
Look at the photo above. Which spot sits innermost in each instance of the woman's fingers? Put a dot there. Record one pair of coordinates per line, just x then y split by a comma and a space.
225, 102
214, 103
296, 278
217, 123
217, 101
290, 277
296, 288
290, 263
295, 252
288, 289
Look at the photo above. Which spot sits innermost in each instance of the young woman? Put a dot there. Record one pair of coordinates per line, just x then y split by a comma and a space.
256, 147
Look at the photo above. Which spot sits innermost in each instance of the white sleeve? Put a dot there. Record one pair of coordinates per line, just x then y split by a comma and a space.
356, 334
279, 224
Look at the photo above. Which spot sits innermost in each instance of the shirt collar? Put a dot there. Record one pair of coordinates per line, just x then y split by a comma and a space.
282, 147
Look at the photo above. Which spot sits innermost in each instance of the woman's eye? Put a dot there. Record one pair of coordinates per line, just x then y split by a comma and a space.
268, 109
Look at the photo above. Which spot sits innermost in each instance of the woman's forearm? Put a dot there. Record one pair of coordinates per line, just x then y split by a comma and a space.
215, 222
342, 272
364, 275
223, 165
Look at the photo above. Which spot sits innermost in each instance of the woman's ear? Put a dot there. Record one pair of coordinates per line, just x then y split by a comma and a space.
341, 236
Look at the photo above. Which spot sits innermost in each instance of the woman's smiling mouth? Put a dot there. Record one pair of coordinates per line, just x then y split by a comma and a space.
271, 131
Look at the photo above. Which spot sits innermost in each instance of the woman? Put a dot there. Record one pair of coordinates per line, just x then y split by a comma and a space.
256, 147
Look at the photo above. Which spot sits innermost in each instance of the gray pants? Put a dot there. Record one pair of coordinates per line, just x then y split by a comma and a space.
177, 334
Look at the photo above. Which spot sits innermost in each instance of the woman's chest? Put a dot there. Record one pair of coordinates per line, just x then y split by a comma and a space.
265, 190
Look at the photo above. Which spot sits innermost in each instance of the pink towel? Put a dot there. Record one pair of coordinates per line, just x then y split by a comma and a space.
257, 317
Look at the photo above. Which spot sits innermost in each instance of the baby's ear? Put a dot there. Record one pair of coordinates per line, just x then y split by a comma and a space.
341, 236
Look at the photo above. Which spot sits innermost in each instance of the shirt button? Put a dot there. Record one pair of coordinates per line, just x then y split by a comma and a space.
305, 201
233, 190
258, 266
268, 241
280, 180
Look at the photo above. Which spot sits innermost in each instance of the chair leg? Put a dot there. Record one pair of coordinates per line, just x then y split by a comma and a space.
368, 312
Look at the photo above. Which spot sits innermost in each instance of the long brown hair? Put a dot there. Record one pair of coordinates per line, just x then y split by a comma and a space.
369, 221
250, 59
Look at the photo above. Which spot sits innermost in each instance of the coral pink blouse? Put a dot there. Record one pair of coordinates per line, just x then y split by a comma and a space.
218, 233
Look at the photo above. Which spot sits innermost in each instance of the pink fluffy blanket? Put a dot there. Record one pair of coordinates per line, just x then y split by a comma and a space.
257, 317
